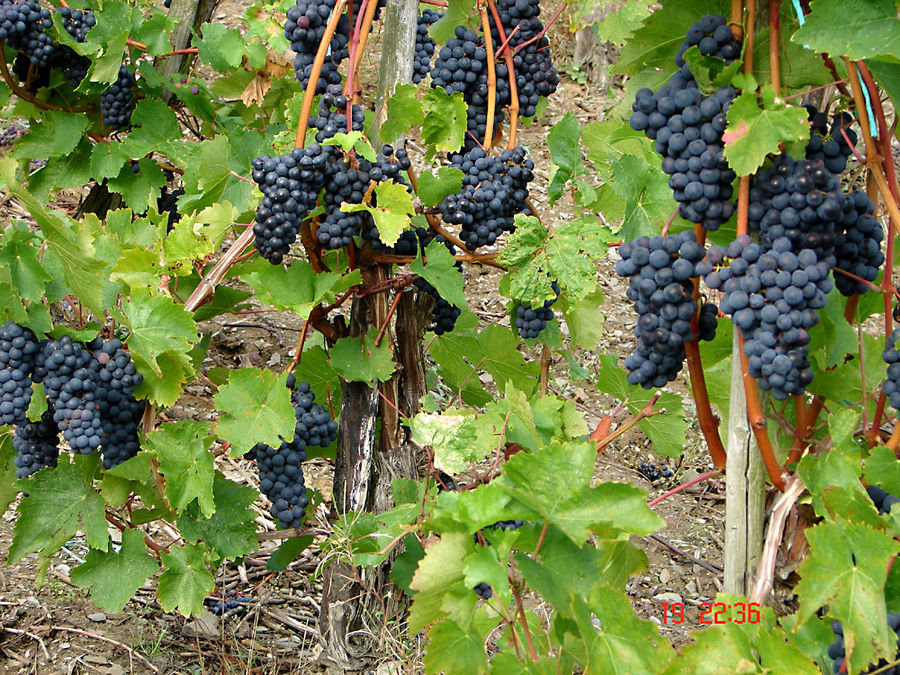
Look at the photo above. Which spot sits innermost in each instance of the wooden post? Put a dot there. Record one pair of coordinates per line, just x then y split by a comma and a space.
190, 15
744, 489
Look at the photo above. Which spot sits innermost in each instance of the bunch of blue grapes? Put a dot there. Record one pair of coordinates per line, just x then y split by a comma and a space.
654, 473
36, 445
117, 102
687, 128
389, 166
461, 65
800, 200
231, 603
883, 500
290, 185
708, 321
77, 24
833, 146
494, 190
837, 650
332, 115
18, 349
304, 29
120, 413
772, 295
857, 247
891, 356
280, 469
660, 271
536, 76
22, 26
424, 50
531, 321
484, 590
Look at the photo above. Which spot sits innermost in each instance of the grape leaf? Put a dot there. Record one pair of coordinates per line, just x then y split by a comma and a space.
140, 189
882, 469
61, 502
857, 29
555, 482
353, 141
299, 288
361, 360
156, 125
182, 448
231, 530
441, 272
115, 577
187, 579
221, 47
432, 190
645, 191
393, 212
25, 270
440, 570
166, 386
8, 488
585, 320
452, 436
57, 134
445, 121
287, 553
452, 650
754, 131
404, 111
619, 24
565, 152
255, 407
846, 569
157, 326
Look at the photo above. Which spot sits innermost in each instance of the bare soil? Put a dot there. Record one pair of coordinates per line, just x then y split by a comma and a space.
56, 629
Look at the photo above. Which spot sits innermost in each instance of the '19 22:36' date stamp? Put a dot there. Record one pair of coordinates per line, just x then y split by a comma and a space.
721, 612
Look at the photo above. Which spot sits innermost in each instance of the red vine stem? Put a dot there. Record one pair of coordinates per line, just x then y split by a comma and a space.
708, 425
387, 318
643, 413
683, 486
774, 43
511, 74
357, 49
758, 422
491, 77
544, 31
309, 95
521, 607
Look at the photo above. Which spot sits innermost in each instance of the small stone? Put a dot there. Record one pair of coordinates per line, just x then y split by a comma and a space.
664, 576
205, 625
98, 617
691, 588
669, 597
656, 620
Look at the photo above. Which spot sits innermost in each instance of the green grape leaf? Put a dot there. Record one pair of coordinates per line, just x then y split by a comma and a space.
585, 320
445, 122
404, 111
618, 25
453, 650
352, 141
452, 436
231, 530
164, 387
140, 189
8, 487
255, 407
57, 134
432, 190
187, 579
833, 480
153, 31
441, 272
555, 482
115, 577
800, 67
298, 289
222, 48
60, 503
405, 564
157, 128
25, 270
157, 326
710, 72
645, 191
361, 360
887, 75
182, 448
287, 553
833, 338
857, 29
455, 15
753, 131
393, 212
107, 160
846, 569
438, 572
565, 152
882, 469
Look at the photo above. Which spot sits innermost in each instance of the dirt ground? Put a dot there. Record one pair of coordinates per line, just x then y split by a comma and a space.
55, 629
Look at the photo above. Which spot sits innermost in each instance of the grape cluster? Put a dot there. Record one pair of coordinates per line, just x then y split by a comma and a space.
857, 246
708, 321
837, 651
687, 129
461, 65
653, 473
660, 270
167, 202
494, 190
883, 500
443, 313
505, 525
891, 356
484, 590
332, 116
531, 321
424, 51
120, 412
117, 102
22, 25
18, 349
304, 29
77, 24
534, 70
290, 184
772, 296
40, 77
832, 146
36, 445
231, 603
280, 469
9, 136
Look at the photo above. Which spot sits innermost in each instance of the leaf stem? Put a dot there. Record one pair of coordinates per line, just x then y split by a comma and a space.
643, 413
387, 318
683, 486
521, 607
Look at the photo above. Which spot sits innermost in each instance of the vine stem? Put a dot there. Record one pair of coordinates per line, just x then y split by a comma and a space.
357, 49
511, 74
544, 31
310, 93
708, 425
387, 318
491, 77
298, 350
545, 369
643, 413
762, 585
521, 607
774, 44
207, 286
683, 486
432, 221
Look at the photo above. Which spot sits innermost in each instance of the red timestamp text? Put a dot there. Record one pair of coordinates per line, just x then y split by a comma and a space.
738, 612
